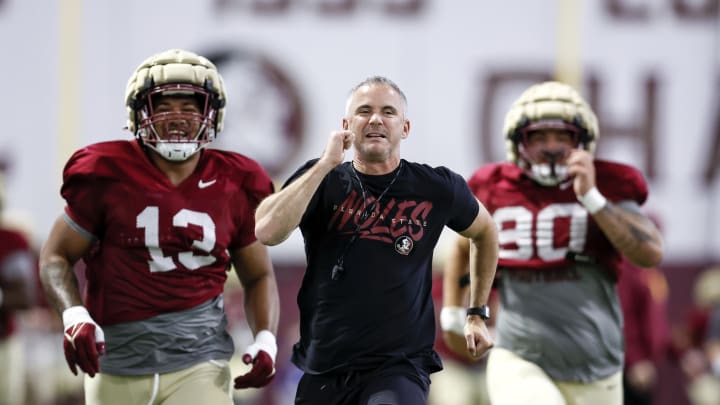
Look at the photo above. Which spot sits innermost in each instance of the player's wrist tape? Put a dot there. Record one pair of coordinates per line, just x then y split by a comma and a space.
265, 341
593, 201
716, 366
452, 319
75, 315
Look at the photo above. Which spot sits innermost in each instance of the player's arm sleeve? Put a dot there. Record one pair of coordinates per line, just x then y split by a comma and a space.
255, 186
82, 192
624, 183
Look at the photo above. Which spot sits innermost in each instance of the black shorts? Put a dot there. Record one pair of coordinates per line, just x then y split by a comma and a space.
397, 384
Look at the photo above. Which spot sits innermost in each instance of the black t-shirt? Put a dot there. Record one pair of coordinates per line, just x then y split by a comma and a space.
381, 308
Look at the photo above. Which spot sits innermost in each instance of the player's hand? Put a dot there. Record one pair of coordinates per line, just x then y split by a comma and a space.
262, 356
84, 341
457, 344
582, 169
338, 143
452, 323
477, 336
642, 375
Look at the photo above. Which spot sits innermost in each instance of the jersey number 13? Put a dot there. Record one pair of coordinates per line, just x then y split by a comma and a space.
149, 219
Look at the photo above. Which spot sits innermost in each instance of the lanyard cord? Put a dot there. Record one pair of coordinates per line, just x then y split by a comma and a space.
339, 270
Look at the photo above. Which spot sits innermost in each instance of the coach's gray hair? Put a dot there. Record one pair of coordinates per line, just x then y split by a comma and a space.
374, 80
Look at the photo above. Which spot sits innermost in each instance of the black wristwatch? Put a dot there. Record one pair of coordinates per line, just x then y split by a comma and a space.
483, 311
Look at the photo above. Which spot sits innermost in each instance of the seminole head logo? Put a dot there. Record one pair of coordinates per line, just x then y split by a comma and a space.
403, 245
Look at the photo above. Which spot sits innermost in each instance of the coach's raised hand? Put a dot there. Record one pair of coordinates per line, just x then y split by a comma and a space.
84, 341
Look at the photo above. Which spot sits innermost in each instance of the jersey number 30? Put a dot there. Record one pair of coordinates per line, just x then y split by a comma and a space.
149, 219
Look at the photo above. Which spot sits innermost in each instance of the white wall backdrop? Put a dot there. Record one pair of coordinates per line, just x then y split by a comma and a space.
650, 68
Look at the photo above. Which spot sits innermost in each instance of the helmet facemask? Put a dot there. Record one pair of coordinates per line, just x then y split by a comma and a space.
546, 164
176, 136
549, 106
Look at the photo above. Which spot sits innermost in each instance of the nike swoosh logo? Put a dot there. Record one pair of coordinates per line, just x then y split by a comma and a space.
202, 184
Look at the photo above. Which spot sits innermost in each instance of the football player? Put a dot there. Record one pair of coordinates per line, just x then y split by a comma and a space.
565, 219
158, 221
18, 281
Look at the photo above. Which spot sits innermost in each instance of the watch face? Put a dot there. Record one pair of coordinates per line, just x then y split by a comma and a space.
263, 118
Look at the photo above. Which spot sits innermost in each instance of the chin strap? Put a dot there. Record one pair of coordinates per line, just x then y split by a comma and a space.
547, 175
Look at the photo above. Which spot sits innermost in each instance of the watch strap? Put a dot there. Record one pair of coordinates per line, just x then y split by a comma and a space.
482, 311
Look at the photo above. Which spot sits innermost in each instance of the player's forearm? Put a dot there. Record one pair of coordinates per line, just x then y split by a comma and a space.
633, 234
455, 268
59, 282
262, 305
280, 213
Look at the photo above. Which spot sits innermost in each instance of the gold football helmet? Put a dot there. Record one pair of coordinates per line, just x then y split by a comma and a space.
177, 73
548, 105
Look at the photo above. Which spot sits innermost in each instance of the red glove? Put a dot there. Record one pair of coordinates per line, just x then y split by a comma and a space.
262, 356
84, 341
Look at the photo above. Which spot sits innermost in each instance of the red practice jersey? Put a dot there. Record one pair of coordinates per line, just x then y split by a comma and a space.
11, 243
541, 227
159, 247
